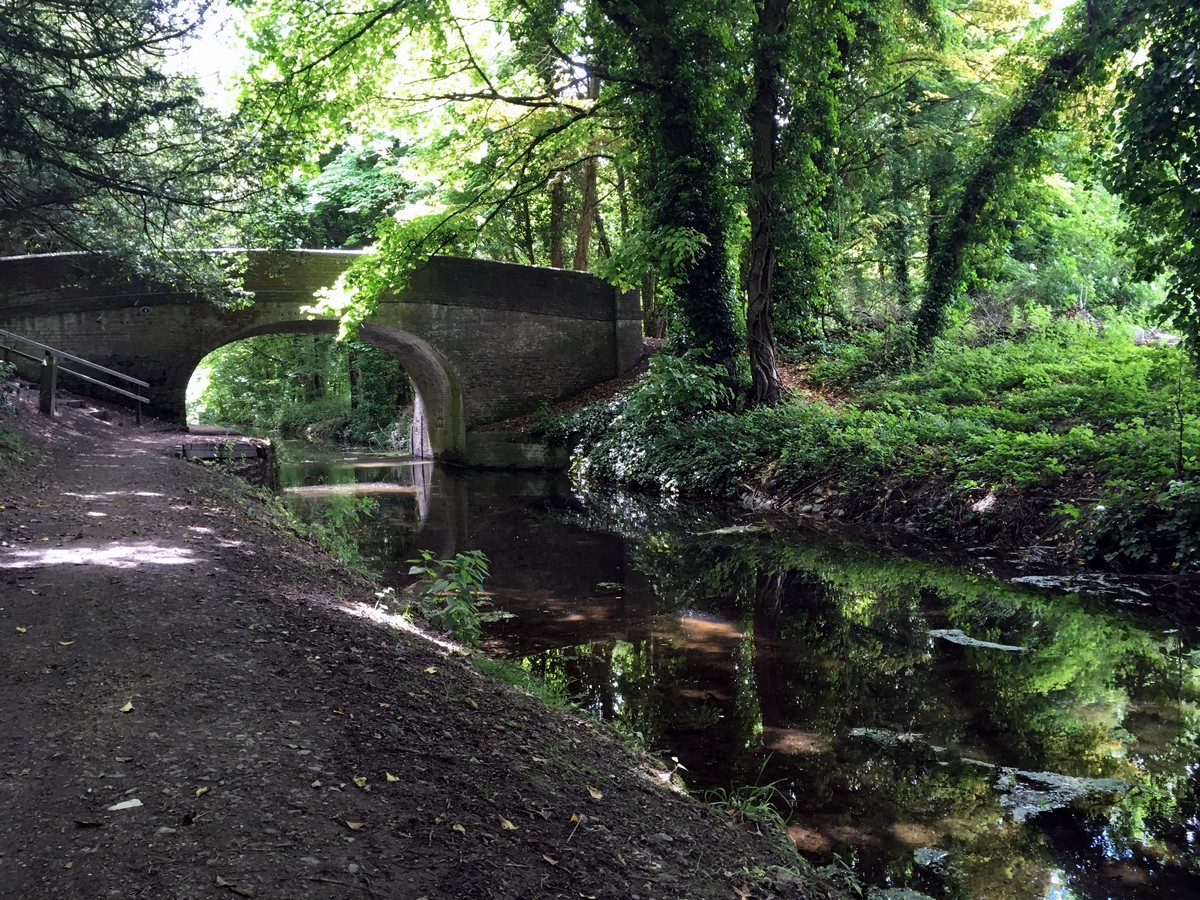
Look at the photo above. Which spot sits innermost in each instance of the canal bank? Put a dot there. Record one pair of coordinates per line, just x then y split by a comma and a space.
196, 703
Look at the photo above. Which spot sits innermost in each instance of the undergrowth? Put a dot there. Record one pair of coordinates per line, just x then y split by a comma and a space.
453, 598
1108, 427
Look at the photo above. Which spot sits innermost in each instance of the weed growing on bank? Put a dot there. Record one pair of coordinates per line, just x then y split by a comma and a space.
1107, 428
453, 598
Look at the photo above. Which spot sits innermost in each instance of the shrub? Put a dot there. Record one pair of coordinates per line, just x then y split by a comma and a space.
453, 598
679, 387
293, 419
1134, 531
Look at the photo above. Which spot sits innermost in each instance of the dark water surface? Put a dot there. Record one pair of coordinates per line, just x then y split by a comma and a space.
938, 729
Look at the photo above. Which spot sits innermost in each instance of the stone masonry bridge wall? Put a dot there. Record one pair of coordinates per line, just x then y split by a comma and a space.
482, 341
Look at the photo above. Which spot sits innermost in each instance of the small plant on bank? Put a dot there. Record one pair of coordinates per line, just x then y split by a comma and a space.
678, 387
453, 599
751, 804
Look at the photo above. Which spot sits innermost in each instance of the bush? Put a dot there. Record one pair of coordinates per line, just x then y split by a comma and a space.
1061, 409
1137, 532
679, 387
293, 419
866, 355
453, 598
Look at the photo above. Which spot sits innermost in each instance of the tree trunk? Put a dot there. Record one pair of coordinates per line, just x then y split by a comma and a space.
602, 236
587, 206
527, 233
653, 323
354, 376
1085, 55
764, 201
557, 202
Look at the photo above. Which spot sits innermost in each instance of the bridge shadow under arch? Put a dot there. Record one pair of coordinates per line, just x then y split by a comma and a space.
439, 426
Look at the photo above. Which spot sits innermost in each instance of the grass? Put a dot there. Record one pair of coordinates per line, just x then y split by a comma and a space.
516, 675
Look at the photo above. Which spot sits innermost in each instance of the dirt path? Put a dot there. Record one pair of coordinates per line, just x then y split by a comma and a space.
188, 709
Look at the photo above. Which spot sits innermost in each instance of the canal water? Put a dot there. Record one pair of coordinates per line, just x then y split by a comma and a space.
934, 729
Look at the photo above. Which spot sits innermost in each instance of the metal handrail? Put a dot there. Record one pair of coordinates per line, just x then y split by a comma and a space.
54, 354
62, 354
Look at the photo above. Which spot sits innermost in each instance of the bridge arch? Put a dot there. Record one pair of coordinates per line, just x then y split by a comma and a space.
439, 427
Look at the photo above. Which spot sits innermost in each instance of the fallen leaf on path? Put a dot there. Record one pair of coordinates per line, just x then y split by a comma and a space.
553, 862
743, 892
125, 804
390, 776
575, 817
65, 643
355, 826
596, 794
471, 703
317, 783
360, 780
432, 670
128, 707
122, 759
201, 791
21, 629
233, 888
458, 828
507, 825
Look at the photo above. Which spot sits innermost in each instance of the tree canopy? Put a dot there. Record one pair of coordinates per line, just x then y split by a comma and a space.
762, 169
750, 165
102, 147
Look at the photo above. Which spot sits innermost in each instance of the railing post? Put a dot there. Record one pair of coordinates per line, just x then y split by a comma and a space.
49, 383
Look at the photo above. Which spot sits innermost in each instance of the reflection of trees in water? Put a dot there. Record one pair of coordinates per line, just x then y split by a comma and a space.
872, 721
731, 645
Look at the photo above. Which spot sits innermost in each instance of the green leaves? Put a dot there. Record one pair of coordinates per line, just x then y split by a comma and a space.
1155, 165
678, 387
101, 148
453, 599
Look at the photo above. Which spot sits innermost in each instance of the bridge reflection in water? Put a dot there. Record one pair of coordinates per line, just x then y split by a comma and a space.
938, 729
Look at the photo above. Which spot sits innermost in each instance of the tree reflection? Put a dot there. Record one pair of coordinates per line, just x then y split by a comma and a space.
923, 719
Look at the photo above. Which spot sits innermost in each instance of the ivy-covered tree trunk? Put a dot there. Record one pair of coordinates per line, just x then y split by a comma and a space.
1085, 54
764, 200
681, 68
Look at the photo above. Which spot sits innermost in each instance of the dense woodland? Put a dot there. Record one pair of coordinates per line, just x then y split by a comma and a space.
964, 232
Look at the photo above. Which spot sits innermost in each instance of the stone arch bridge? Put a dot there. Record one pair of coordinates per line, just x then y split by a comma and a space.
482, 341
